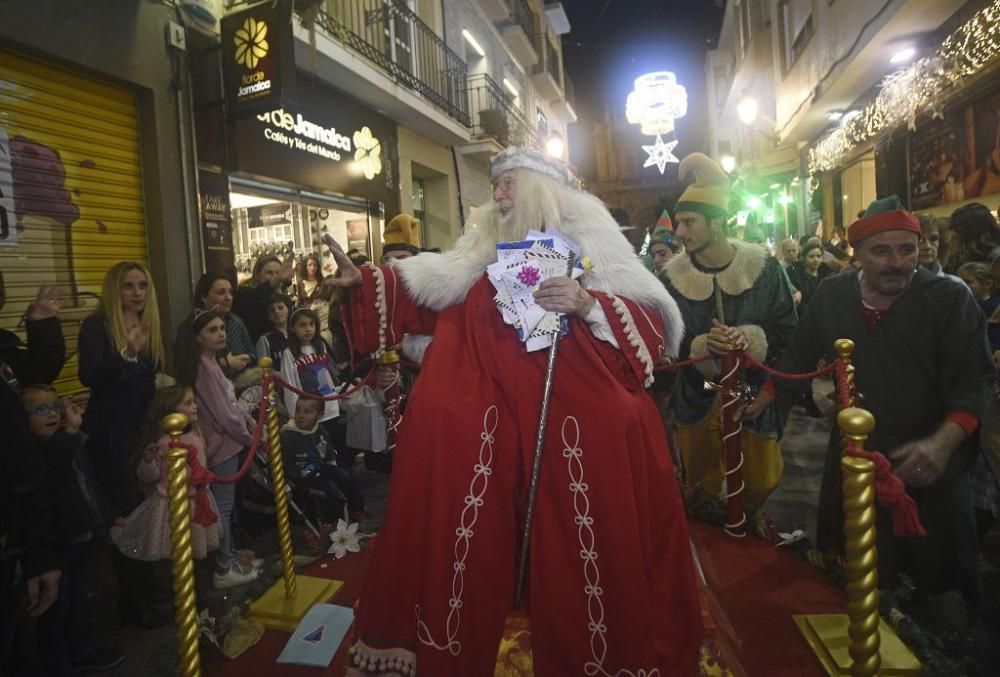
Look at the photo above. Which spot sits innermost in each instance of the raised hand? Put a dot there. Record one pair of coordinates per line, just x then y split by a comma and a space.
348, 274
46, 304
287, 268
74, 416
136, 339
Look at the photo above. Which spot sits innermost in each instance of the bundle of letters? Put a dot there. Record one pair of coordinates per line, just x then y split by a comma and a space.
520, 268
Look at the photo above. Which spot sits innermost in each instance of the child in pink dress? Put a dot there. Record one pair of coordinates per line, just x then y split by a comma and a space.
146, 533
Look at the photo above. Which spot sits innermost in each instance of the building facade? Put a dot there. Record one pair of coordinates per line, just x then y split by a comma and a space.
789, 73
378, 107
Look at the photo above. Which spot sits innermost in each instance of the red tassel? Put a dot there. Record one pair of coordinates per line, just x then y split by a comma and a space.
891, 493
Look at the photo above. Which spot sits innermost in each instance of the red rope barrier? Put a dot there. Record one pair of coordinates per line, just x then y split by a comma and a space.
325, 398
808, 376
670, 366
266, 387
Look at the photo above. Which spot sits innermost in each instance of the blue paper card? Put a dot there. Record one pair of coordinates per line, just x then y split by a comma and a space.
318, 636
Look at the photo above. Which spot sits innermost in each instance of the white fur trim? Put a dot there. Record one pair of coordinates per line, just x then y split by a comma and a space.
470, 514
634, 337
370, 659
588, 553
414, 346
699, 348
756, 341
437, 281
740, 275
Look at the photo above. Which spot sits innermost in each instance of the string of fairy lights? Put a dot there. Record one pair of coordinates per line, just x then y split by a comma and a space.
922, 88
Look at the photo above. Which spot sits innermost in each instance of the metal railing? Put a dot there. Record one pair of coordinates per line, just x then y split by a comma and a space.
494, 114
390, 35
523, 16
569, 91
548, 56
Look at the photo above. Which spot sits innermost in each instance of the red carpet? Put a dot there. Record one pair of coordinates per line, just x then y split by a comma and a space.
753, 591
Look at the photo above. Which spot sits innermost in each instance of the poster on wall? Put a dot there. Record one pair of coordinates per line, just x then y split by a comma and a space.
8, 233
216, 226
982, 140
936, 169
957, 158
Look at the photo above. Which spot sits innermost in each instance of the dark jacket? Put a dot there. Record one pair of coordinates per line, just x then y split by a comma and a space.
71, 484
26, 520
120, 392
305, 451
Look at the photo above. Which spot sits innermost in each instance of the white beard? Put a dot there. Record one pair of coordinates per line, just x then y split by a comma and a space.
437, 281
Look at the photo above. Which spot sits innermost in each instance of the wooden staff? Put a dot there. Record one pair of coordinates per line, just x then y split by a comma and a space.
536, 467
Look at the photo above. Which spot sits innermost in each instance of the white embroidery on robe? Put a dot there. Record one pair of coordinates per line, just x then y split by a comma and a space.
588, 553
470, 514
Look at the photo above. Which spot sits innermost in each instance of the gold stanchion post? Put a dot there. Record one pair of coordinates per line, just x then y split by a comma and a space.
859, 643
185, 606
286, 602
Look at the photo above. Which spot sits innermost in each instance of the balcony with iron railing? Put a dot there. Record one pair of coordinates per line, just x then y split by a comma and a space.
392, 38
518, 31
546, 75
497, 122
564, 107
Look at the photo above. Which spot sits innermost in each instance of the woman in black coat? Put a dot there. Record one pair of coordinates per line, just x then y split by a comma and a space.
121, 350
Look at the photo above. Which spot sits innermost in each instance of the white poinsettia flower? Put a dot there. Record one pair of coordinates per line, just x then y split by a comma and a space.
206, 626
367, 153
345, 538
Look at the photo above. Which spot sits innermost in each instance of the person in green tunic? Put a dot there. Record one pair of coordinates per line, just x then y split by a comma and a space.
732, 295
923, 369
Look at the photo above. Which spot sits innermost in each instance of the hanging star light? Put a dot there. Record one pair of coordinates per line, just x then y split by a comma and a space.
655, 103
660, 153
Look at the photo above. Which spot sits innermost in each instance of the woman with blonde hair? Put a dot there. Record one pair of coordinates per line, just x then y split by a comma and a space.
120, 352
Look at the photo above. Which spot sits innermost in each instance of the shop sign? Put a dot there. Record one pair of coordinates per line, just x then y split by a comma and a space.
258, 57
327, 141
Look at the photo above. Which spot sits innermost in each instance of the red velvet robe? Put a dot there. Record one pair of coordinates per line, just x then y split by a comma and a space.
611, 587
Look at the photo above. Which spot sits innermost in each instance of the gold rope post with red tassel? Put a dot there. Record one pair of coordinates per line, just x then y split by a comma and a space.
288, 600
872, 646
182, 552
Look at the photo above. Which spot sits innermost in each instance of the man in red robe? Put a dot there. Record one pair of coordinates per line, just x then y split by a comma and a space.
611, 586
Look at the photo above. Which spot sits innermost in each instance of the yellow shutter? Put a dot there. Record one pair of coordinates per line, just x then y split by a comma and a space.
78, 191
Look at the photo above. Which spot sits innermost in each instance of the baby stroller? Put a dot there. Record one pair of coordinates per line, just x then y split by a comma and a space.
256, 495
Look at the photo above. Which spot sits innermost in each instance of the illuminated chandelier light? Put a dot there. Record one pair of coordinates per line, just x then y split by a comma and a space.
660, 153
921, 88
656, 102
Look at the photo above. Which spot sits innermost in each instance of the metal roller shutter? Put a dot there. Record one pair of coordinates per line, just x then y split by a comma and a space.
71, 186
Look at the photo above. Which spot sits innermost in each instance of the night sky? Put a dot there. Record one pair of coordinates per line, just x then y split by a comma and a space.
614, 41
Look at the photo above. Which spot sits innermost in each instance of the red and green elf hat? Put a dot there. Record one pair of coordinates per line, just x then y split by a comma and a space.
882, 215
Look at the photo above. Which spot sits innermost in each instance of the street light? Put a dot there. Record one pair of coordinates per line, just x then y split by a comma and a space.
746, 109
554, 145
728, 163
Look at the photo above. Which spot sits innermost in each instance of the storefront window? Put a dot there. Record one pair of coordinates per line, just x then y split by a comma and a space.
265, 225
